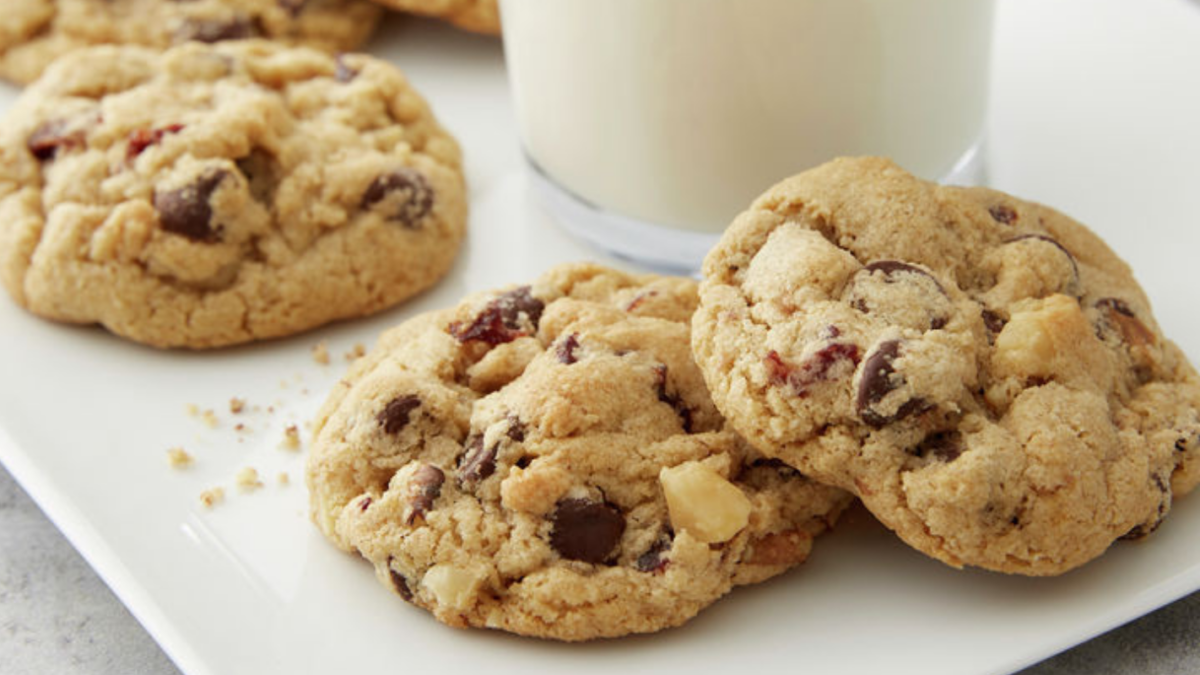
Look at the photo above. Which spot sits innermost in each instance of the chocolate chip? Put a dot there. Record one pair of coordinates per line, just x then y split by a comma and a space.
516, 429
878, 381
1118, 315
396, 414
993, 321
1003, 213
1053, 242
216, 30
892, 269
342, 71
565, 350
510, 316
586, 530
424, 489
476, 464
405, 192
140, 139
655, 558
817, 368
399, 583
672, 399
945, 446
186, 211
50, 137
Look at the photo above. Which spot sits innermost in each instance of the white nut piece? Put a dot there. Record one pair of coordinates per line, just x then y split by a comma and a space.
703, 503
452, 586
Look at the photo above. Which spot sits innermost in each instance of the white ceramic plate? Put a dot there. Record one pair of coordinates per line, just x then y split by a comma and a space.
1104, 130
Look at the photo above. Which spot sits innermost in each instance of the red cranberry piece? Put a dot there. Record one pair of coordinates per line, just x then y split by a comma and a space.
141, 139
405, 192
586, 530
186, 211
813, 370
510, 316
567, 348
878, 381
395, 415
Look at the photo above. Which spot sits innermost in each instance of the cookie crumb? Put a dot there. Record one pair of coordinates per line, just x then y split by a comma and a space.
242, 428
192, 409
291, 438
356, 352
320, 352
247, 479
212, 496
209, 418
178, 458
284, 478
237, 405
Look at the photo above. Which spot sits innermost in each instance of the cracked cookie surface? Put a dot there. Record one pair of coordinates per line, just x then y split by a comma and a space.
35, 32
983, 372
546, 460
218, 194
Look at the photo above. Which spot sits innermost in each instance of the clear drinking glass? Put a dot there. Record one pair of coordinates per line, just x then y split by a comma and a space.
649, 124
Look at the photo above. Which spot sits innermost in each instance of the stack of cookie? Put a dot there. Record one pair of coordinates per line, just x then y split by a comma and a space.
982, 372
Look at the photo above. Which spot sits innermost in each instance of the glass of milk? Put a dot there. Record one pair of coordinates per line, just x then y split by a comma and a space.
650, 124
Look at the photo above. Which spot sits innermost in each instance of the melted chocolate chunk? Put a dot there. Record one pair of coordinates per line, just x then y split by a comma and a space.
186, 211
425, 488
1118, 315
396, 414
672, 399
892, 269
878, 381
1003, 213
216, 30
813, 370
993, 321
655, 558
586, 530
476, 464
414, 191
50, 137
1053, 242
565, 350
778, 465
400, 583
141, 139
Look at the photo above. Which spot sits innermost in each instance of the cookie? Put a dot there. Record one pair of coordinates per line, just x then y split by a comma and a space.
480, 16
983, 372
36, 32
217, 194
546, 460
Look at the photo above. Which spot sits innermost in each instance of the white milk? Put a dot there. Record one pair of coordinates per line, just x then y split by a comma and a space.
680, 112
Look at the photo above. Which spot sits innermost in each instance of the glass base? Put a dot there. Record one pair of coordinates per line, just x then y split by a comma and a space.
661, 247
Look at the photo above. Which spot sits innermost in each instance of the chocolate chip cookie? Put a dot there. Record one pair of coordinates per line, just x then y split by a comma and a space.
481, 16
983, 372
35, 32
217, 194
546, 460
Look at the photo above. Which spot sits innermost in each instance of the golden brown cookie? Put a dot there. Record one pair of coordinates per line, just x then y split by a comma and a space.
35, 32
982, 371
480, 16
546, 460
217, 194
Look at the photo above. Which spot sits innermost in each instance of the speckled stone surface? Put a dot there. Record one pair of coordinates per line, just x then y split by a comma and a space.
57, 616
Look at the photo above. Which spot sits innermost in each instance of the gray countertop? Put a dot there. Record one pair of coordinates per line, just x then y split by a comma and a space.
57, 616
